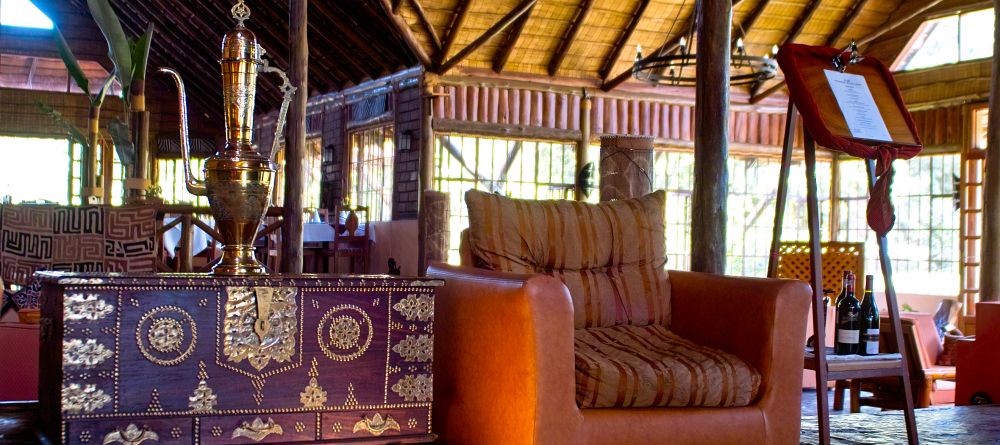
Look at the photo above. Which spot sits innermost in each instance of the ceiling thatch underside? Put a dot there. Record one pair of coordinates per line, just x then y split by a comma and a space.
596, 40
350, 41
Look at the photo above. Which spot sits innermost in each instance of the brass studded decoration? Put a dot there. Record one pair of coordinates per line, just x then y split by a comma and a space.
258, 429
376, 425
203, 399
80, 307
166, 335
84, 353
415, 348
131, 435
313, 395
260, 325
344, 333
416, 307
415, 388
87, 398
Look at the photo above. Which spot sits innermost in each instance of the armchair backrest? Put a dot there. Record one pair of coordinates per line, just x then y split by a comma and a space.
611, 256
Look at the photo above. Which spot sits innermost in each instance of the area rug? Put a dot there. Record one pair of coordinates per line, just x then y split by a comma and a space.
965, 425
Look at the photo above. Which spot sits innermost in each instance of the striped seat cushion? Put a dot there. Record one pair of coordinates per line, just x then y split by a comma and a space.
646, 366
610, 255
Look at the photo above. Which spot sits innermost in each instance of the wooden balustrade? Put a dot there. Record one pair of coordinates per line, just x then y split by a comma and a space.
185, 216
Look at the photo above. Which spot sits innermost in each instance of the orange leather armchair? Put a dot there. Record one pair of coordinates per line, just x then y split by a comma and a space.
504, 362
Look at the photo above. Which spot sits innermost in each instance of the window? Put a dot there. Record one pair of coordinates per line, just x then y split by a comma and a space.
313, 174
34, 170
924, 244
172, 184
950, 39
752, 191
372, 153
981, 125
515, 168
75, 173
24, 14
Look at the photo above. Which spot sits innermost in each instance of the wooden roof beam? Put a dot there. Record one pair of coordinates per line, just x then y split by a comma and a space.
422, 16
749, 20
616, 51
801, 22
670, 45
847, 22
571, 33
503, 53
406, 34
368, 47
895, 23
513, 16
457, 21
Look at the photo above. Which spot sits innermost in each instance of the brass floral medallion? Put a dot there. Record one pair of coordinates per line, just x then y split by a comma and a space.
203, 399
87, 398
260, 325
415, 348
416, 307
344, 332
415, 388
166, 335
313, 395
80, 307
131, 435
84, 353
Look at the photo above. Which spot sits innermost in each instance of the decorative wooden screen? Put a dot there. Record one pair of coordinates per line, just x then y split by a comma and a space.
793, 262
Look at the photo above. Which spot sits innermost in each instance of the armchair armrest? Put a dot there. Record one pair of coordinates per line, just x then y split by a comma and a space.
503, 359
762, 321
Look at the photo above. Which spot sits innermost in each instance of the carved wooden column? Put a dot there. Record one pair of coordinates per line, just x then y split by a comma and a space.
990, 274
582, 146
434, 218
295, 148
711, 140
626, 166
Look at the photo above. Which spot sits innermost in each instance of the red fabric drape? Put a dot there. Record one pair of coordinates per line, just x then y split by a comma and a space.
791, 58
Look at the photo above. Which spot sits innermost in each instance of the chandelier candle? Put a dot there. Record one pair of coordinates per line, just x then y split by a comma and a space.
869, 321
848, 320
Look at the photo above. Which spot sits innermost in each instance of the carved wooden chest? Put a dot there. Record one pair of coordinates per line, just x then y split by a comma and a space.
191, 359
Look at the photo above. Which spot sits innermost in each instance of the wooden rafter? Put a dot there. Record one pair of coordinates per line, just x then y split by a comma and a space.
847, 22
406, 34
503, 53
456, 25
369, 47
670, 45
422, 16
749, 20
567, 41
616, 51
906, 16
518, 13
801, 22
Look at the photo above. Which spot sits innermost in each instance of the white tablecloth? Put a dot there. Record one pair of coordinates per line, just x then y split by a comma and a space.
323, 232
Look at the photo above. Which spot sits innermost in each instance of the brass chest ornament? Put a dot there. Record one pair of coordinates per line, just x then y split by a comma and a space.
238, 178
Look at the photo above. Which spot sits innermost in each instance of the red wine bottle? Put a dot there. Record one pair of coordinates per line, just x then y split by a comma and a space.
869, 321
843, 287
848, 321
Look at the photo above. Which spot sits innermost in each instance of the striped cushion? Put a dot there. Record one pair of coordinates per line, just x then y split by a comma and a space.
643, 366
610, 255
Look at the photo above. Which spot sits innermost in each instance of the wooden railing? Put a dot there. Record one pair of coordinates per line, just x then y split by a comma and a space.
185, 216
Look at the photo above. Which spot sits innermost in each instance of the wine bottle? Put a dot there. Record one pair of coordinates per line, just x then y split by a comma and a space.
843, 287
848, 322
869, 321
810, 342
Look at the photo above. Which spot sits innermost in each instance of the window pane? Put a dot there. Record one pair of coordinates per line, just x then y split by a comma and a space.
977, 34
34, 169
171, 181
371, 171
936, 44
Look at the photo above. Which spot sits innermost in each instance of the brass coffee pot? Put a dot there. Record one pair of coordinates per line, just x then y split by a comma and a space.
238, 178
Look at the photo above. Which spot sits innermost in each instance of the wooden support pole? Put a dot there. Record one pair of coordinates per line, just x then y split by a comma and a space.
711, 149
426, 176
295, 148
990, 275
583, 145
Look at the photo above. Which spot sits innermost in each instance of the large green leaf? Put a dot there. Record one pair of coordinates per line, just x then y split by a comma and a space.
123, 144
98, 98
71, 63
118, 45
72, 132
140, 54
